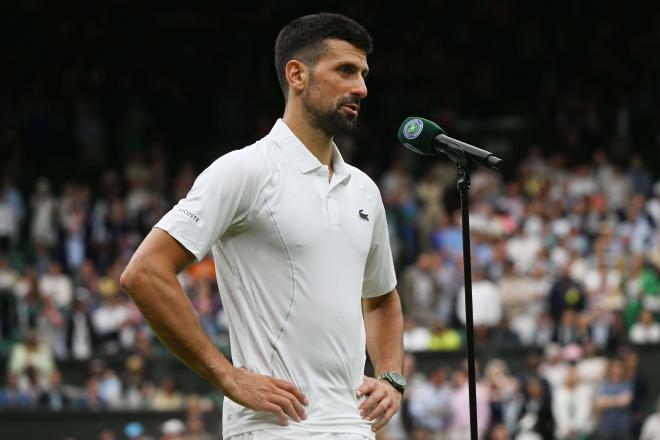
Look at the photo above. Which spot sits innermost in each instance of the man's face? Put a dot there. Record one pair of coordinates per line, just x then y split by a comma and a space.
335, 88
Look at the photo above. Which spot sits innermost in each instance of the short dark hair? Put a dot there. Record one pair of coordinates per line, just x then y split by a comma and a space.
304, 39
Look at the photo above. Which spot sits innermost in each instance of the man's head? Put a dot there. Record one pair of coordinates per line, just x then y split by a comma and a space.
321, 62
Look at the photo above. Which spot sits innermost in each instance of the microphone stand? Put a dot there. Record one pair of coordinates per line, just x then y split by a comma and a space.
463, 185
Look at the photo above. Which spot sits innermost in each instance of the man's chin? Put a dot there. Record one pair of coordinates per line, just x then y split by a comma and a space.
349, 122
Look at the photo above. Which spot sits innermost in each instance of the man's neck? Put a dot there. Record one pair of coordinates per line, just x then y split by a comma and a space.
315, 140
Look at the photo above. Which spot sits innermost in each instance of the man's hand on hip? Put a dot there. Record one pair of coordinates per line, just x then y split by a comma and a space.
383, 401
265, 393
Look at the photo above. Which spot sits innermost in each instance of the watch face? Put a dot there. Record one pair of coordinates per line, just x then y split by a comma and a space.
398, 379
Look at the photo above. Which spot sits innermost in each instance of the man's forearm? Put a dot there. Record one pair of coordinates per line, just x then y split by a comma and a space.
383, 323
170, 314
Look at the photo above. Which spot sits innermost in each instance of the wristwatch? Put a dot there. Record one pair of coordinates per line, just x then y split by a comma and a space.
394, 379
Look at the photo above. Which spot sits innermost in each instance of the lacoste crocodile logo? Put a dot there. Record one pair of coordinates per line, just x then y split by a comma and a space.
363, 215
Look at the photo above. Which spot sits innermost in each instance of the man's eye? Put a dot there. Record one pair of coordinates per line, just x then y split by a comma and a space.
345, 69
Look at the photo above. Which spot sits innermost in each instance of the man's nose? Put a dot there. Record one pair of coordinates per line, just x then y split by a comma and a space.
360, 88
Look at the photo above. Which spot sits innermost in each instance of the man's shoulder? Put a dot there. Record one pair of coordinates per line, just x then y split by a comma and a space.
250, 159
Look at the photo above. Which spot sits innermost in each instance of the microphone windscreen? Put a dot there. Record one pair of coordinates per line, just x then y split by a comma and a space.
417, 134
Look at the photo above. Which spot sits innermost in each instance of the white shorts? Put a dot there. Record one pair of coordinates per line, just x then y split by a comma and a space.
281, 434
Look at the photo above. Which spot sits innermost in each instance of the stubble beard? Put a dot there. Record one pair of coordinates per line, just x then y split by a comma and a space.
331, 121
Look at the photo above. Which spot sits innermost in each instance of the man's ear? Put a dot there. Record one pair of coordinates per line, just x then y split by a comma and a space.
297, 74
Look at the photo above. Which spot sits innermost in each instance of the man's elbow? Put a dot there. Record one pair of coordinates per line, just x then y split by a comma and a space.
132, 278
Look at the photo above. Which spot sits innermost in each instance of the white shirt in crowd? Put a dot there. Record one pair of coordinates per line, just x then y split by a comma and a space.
572, 409
295, 253
109, 318
645, 334
651, 427
58, 287
486, 304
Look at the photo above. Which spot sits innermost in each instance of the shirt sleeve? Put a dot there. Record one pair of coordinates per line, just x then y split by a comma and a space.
379, 275
220, 199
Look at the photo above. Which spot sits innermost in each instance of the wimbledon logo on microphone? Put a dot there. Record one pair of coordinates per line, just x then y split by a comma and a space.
413, 128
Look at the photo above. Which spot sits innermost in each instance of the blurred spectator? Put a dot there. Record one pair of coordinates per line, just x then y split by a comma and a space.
638, 175
651, 427
31, 353
554, 369
498, 432
565, 293
429, 405
646, 331
12, 396
167, 397
592, 367
8, 299
137, 390
536, 413
91, 397
459, 418
601, 330
602, 284
504, 335
50, 326
107, 434
9, 222
444, 338
429, 192
401, 209
640, 388
110, 388
533, 372
447, 236
613, 404
415, 337
503, 392
44, 220
421, 290
572, 408
196, 431
522, 249
567, 330
75, 249
56, 285
28, 301
206, 305
109, 320
485, 301
55, 396
544, 331
173, 429
523, 299
80, 334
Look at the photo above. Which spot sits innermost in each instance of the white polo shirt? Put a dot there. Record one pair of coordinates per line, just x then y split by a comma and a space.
294, 255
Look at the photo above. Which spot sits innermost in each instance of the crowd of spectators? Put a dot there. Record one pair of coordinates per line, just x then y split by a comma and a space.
565, 260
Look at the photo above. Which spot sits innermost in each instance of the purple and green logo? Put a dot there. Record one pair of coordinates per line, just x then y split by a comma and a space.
413, 128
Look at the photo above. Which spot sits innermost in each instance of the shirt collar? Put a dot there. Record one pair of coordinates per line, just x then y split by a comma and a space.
303, 159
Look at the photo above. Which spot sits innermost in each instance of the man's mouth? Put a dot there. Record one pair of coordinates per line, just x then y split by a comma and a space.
353, 108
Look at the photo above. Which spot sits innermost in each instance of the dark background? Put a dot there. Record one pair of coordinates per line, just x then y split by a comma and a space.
202, 76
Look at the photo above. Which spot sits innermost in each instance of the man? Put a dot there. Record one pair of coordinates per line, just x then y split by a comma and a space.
298, 237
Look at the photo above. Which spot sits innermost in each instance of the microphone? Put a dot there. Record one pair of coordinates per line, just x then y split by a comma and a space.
426, 137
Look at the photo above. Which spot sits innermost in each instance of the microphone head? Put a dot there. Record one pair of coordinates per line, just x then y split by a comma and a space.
417, 134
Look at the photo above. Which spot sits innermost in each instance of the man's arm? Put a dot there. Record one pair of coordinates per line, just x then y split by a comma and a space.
383, 322
150, 279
